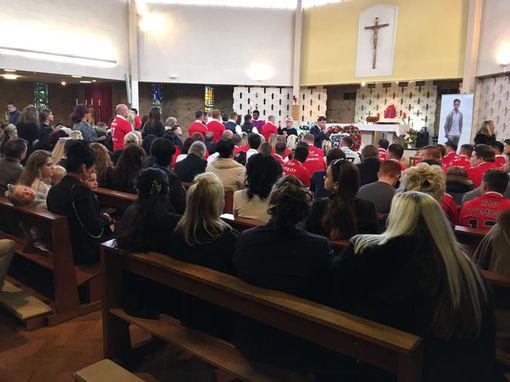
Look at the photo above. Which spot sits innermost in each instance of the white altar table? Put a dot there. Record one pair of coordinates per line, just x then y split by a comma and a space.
372, 132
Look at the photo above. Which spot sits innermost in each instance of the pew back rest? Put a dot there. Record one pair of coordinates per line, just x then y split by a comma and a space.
114, 199
376, 344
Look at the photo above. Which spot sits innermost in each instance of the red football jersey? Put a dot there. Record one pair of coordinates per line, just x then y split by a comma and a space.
120, 126
242, 148
217, 129
482, 212
500, 161
296, 168
138, 122
268, 129
476, 173
450, 208
197, 127
279, 159
382, 154
448, 159
314, 162
462, 161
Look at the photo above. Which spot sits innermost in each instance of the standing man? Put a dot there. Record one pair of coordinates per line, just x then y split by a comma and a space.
318, 131
137, 119
120, 126
198, 126
453, 124
13, 112
289, 128
258, 123
232, 125
269, 128
215, 126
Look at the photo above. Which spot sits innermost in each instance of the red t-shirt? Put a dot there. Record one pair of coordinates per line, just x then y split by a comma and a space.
197, 127
217, 129
296, 168
475, 174
482, 212
462, 161
448, 159
241, 149
268, 129
382, 154
315, 160
120, 126
138, 122
279, 159
500, 161
450, 208
287, 153
174, 158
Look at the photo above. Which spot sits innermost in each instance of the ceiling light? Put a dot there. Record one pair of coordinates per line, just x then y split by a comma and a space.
76, 76
85, 82
63, 83
363, 84
9, 70
10, 76
260, 72
93, 80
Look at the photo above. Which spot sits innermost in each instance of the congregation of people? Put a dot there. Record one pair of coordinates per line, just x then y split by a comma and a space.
402, 265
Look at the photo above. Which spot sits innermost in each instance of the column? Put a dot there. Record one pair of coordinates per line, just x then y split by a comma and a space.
472, 43
296, 64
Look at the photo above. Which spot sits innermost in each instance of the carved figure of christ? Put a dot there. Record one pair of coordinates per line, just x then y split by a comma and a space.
375, 28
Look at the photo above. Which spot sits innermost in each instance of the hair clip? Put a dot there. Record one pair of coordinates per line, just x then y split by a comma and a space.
155, 188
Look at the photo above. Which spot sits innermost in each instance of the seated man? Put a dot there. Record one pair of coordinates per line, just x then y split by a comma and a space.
317, 179
430, 152
315, 160
279, 152
193, 164
482, 212
464, 157
382, 146
382, 191
369, 167
10, 167
451, 155
482, 160
346, 144
498, 149
295, 165
254, 141
395, 153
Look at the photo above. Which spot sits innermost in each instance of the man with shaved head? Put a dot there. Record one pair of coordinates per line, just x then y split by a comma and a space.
120, 126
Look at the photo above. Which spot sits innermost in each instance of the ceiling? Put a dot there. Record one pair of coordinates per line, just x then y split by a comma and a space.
51, 78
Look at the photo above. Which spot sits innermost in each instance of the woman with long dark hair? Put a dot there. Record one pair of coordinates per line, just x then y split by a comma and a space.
131, 162
28, 126
154, 125
342, 215
262, 171
147, 223
79, 120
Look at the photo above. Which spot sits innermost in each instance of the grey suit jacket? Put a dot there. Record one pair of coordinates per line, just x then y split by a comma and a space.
10, 170
448, 123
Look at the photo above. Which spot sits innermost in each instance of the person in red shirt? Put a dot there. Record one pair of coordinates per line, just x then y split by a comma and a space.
395, 153
482, 212
463, 160
450, 208
315, 160
295, 166
138, 120
120, 126
451, 155
198, 126
279, 152
498, 149
482, 160
215, 126
269, 128
382, 146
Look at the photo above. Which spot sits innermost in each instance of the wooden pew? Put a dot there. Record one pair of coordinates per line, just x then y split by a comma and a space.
67, 278
241, 224
114, 199
469, 237
387, 348
229, 202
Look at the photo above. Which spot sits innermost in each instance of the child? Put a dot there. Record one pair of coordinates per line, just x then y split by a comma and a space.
58, 173
91, 182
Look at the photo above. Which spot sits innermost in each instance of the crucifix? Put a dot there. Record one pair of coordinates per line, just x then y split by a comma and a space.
375, 28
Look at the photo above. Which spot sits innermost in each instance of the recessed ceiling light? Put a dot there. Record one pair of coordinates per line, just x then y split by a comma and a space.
63, 83
93, 80
76, 76
10, 76
9, 70
85, 82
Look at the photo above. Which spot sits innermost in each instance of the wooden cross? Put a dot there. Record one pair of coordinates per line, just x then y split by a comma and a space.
375, 28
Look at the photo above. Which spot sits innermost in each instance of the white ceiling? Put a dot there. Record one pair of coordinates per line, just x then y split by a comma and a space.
283, 4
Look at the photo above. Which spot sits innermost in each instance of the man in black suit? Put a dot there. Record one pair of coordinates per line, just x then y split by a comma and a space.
370, 166
318, 131
193, 164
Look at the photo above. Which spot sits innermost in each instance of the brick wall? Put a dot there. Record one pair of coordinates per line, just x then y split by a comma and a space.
338, 109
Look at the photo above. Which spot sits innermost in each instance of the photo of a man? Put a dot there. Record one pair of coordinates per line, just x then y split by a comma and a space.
453, 123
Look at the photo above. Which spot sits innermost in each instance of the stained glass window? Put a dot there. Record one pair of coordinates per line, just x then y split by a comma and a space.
41, 95
209, 98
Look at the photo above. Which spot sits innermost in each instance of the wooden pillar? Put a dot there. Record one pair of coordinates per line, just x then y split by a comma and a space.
296, 63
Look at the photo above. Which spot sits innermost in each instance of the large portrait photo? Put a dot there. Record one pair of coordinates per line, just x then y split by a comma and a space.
456, 118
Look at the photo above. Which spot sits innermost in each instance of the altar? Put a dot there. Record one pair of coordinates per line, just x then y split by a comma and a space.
372, 132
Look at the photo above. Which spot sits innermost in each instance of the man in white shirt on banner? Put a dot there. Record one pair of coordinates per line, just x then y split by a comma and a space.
453, 124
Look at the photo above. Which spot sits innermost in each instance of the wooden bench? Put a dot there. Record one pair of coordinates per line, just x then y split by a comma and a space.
229, 202
67, 278
387, 348
114, 199
241, 224
469, 237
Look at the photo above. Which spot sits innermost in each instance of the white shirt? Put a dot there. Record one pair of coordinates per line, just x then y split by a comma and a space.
250, 152
180, 157
455, 123
212, 158
238, 128
351, 154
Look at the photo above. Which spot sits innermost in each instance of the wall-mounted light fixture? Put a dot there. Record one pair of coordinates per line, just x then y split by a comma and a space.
259, 72
10, 76
503, 55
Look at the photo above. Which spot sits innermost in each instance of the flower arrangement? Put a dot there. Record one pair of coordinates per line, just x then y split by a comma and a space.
350, 130
410, 137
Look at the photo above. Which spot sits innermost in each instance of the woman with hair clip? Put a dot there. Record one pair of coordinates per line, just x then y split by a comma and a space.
342, 215
281, 256
87, 225
37, 173
416, 277
122, 177
202, 238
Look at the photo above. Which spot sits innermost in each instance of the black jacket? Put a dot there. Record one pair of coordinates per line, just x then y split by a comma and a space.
176, 193
29, 132
319, 135
157, 129
395, 284
87, 227
292, 261
189, 167
368, 170
44, 138
366, 218
218, 256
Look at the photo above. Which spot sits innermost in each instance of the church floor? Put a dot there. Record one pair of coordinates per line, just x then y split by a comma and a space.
52, 354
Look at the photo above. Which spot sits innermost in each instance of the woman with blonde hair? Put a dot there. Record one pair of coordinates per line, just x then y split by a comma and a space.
432, 181
58, 154
202, 238
37, 172
292, 142
416, 277
132, 138
103, 162
272, 140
